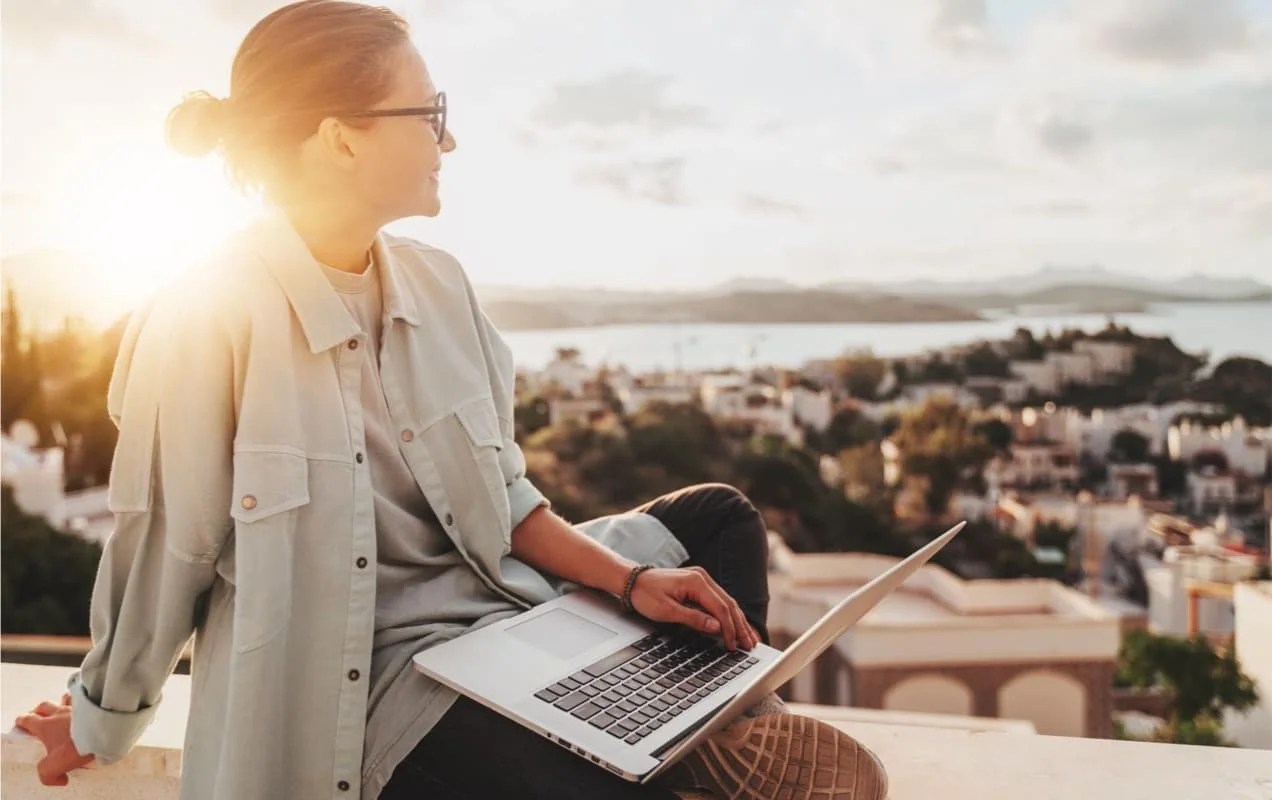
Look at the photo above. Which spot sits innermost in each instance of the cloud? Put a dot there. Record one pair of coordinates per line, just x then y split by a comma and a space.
660, 181
1167, 31
769, 205
622, 100
245, 11
961, 27
40, 25
1058, 208
1047, 127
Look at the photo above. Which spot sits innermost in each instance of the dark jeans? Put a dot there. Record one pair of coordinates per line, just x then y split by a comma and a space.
474, 753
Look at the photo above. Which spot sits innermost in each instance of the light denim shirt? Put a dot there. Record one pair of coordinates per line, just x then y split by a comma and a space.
243, 515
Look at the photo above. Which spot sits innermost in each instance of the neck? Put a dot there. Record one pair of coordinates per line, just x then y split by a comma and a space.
334, 236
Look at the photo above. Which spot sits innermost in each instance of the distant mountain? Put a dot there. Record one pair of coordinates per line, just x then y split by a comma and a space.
1088, 298
734, 307
1194, 286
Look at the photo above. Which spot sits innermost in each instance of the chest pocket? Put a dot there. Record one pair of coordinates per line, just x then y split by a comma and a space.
269, 488
480, 422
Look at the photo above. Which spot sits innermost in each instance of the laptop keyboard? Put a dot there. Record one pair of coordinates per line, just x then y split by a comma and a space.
642, 687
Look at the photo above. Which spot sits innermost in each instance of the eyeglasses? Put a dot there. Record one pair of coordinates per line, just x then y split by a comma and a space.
435, 114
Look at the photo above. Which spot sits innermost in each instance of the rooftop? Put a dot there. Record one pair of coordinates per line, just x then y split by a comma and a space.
923, 760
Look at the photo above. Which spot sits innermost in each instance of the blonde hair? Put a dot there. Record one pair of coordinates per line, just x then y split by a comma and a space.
304, 62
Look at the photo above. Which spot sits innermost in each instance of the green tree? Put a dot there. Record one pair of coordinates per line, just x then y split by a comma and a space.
779, 476
1241, 385
983, 360
46, 576
531, 416
860, 373
680, 438
1202, 682
996, 433
848, 428
21, 373
939, 441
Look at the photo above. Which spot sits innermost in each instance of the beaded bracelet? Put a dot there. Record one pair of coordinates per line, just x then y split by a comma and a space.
626, 599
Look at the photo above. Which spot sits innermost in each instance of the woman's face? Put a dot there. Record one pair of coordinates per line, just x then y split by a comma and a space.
399, 160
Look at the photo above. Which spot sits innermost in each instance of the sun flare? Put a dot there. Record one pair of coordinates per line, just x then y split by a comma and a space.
140, 217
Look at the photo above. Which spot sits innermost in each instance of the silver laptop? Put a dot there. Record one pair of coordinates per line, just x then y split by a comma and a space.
626, 693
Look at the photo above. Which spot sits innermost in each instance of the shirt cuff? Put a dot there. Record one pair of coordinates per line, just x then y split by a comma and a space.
524, 497
108, 735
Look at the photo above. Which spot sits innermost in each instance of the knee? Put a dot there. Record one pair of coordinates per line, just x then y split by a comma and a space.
732, 503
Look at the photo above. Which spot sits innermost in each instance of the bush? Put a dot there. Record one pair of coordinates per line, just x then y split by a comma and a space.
46, 576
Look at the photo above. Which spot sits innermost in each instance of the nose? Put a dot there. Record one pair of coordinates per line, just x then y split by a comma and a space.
448, 142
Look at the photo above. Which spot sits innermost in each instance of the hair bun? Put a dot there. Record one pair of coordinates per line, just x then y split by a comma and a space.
197, 124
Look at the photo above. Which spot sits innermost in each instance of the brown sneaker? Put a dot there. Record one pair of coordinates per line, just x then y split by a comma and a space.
781, 757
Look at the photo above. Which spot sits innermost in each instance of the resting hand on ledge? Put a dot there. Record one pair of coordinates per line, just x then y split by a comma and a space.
51, 724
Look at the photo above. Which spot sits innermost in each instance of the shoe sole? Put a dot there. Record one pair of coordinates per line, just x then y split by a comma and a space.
787, 757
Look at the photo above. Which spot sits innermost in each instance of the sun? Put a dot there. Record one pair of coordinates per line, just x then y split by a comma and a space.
140, 216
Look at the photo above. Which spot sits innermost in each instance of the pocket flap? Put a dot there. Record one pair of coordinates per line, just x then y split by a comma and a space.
480, 422
268, 482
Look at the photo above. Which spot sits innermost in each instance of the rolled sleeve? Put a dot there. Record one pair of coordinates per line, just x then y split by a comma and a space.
523, 495
171, 396
107, 734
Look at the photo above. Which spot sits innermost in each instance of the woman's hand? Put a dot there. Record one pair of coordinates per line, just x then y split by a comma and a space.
664, 595
51, 724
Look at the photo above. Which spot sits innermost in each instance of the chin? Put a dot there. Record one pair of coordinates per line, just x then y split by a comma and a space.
430, 207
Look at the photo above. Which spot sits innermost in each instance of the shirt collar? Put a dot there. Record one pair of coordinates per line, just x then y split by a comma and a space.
323, 316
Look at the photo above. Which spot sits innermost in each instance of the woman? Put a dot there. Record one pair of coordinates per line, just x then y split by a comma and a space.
316, 476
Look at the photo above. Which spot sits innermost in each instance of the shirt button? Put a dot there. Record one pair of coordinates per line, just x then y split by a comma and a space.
249, 502
343, 786
354, 674
353, 344
359, 458
408, 435
362, 563
450, 520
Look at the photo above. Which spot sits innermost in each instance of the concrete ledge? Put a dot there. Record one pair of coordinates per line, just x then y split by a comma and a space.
926, 756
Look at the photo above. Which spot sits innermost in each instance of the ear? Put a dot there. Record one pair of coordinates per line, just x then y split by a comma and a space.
336, 143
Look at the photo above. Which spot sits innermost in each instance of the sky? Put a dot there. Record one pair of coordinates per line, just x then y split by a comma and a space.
680, 144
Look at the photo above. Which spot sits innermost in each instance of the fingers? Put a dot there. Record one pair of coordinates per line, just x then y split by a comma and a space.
33, 724
47, 709
697, 620
66, 698
744, 635
714, 600
59, 762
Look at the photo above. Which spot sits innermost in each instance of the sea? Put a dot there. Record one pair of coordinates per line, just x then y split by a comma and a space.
1217, 330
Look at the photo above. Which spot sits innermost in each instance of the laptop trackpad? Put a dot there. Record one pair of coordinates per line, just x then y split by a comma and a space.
561, 633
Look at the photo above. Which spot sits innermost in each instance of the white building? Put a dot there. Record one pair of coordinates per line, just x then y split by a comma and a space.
1112, 359
636, 397
1072, 367
565, 372
1034, 466
1125, 480
1208, 574
1010, 390
1040, 377
1019, 649
563, 410
1211, 491
38, 479
808, 407
1093, 436
1252, 605
1247, 449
